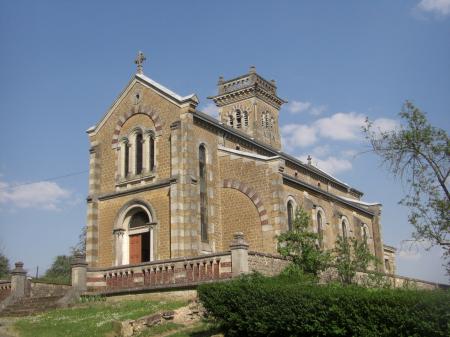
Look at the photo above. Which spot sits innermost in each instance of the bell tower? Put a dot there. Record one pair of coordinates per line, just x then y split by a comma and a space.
249, 103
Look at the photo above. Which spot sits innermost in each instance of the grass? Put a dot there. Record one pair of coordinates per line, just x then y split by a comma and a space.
90, 319
203, 329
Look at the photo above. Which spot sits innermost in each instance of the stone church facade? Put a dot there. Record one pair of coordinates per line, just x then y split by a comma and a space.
168, 181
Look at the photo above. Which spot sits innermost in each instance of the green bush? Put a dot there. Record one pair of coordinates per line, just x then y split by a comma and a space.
283, 306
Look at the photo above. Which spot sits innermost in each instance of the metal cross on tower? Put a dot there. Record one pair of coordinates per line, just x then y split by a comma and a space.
140, 58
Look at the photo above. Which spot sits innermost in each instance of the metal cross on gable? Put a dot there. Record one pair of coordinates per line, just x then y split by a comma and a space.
140, 58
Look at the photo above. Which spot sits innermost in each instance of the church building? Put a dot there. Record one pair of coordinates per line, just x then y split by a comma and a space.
168, 181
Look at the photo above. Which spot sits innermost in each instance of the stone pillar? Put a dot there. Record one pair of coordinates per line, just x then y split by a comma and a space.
239, 255
118, 246
79, 271
18, 280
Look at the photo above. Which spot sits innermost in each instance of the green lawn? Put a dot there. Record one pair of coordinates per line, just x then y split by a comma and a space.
92, 319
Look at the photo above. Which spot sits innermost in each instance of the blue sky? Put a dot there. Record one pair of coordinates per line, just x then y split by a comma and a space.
63, 63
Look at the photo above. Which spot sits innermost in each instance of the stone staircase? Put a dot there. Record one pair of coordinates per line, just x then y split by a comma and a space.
30, 305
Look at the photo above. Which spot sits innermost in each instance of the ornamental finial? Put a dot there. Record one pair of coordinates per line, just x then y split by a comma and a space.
140, 58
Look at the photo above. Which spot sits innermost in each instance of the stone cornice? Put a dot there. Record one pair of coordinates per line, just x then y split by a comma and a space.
298, 182
156, 185
212, 122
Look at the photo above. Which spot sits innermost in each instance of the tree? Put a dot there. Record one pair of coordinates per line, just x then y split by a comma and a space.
301, 245
419, 154
4, 266
350, 257
60, 270
80, 247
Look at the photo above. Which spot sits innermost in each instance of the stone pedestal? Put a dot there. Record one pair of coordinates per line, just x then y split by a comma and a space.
18, 280
239, 255
79, 271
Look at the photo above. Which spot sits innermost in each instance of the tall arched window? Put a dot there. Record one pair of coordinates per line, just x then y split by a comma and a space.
245, 117
139, 153
290, 214
238, 119
320, 228
344, 229
126, 160
364, 234
203, 193
266, 120
151, 154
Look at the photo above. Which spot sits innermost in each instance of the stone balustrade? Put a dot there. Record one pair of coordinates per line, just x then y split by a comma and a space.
161, 274
5, 289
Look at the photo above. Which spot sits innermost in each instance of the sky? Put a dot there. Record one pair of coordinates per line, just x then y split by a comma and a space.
62, 64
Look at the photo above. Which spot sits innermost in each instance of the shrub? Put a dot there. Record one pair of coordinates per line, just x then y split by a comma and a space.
258, 306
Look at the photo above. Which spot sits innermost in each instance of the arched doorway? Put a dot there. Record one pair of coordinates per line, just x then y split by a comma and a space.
134, 239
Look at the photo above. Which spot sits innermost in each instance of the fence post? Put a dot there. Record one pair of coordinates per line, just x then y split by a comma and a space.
18, 280
239, 255
79, 273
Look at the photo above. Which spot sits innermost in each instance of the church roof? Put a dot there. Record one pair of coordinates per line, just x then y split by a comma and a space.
159, 88
167, 91
310, 168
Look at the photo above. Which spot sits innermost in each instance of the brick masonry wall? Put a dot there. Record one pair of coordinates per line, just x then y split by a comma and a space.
109, 210
333, 212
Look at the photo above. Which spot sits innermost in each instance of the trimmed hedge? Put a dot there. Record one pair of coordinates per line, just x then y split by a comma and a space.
257, 306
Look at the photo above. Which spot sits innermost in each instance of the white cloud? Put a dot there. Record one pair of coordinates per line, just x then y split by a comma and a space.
385, 124
45, 195
434, 7
297, 107
211, 110
330, 164
333, 165
298, 135
320, 151
409, 254
342, 126
349, 153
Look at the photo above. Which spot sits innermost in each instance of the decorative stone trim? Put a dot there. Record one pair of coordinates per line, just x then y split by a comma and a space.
152, 113
252, 194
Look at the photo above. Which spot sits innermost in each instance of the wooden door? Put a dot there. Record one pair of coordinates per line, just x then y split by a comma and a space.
135, 249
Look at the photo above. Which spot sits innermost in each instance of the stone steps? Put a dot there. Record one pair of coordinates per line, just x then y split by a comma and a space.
31, 305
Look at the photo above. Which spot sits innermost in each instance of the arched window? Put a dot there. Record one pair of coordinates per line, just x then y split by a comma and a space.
238, 119
364, 234
290, 214
139, 153
126, 159
151, 154
344, 229
139, 219
245, 116
266, 120
320, 229
263, 118
230, 120
203, 193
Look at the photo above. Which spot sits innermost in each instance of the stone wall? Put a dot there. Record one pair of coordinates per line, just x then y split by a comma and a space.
266, 264
38, 289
